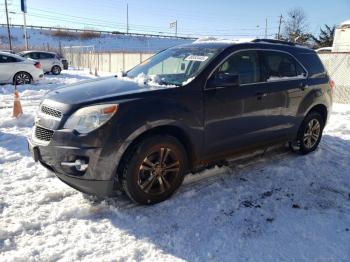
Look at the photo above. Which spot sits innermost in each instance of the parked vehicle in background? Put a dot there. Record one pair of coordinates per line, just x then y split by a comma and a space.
183, 109
18, 70
324, 50
64, 62
8, 51
342, 38
49, 60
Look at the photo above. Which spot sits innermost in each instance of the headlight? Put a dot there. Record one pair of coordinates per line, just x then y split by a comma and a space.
90, 118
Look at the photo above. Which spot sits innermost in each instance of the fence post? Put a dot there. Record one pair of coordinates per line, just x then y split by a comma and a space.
123, 62
110, 62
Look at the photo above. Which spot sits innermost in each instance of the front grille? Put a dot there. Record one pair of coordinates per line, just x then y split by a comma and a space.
43, 133
51, 111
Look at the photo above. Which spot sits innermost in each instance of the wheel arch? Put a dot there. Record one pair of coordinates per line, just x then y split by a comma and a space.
321, 109
13, 78
55, 66
171, 130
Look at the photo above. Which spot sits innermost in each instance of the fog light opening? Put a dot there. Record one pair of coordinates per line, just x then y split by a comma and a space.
80, 164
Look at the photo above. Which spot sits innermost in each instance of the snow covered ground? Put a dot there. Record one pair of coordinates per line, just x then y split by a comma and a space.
276, 207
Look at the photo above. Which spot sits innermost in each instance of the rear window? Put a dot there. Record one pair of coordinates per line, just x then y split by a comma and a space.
312, 63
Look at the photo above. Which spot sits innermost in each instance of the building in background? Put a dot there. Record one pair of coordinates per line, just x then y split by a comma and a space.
341, 41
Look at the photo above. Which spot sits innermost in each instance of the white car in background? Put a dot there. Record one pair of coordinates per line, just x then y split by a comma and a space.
50, 61
18, 70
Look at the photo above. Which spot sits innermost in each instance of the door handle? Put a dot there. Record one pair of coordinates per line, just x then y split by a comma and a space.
260, 95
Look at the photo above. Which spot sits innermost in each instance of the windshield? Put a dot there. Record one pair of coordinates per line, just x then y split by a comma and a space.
175, 66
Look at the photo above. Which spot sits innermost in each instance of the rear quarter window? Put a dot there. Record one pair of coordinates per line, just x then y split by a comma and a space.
312, 63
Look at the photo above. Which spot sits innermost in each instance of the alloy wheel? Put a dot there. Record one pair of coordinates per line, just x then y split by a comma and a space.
22, 78
312, 133
158, 170
56, 70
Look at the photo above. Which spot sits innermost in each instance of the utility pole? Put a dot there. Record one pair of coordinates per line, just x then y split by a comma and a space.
176, 29
24, 11
8, 25
279, 28
25, 31
127, 18
174, 25
265, 28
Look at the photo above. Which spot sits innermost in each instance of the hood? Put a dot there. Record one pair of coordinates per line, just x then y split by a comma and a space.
97, 89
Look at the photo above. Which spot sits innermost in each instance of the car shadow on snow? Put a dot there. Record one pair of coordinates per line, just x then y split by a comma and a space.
220, 215
15, 146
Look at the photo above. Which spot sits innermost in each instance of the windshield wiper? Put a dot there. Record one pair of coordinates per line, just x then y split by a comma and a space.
168, 83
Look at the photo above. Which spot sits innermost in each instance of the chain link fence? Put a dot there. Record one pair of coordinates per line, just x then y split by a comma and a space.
87, 57
338, 67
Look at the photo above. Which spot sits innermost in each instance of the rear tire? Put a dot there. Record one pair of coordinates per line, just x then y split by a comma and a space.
22, 78
56, 70
154, 169
310, 132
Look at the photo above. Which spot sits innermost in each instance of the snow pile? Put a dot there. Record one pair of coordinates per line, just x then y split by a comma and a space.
277, 207
279, 78
153, 81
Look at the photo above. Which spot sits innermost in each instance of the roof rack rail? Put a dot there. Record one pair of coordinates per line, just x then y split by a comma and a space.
273, 41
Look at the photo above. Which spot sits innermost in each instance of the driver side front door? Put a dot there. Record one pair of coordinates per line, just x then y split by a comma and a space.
235, 115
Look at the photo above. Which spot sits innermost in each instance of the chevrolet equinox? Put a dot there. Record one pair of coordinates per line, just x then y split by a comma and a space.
183, 109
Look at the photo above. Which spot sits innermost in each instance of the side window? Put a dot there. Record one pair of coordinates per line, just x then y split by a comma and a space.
245, 64
7, 59
46, 56
278, 65
34, 55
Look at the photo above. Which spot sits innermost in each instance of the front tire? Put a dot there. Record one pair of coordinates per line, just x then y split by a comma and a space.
310, 133
154, 169
22, 78
56, 70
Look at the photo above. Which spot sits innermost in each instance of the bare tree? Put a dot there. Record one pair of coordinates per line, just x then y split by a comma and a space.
296, 26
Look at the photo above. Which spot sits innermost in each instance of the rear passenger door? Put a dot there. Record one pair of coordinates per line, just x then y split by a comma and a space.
46, 60
285, 81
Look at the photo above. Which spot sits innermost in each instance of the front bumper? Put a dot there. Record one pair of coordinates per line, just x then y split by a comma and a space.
89, 181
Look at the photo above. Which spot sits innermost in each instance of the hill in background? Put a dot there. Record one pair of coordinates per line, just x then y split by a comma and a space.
46, 39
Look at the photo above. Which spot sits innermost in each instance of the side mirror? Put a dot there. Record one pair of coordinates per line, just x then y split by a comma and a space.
224, 80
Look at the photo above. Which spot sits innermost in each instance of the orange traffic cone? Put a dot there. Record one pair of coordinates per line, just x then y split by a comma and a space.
96, 74
17, 107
